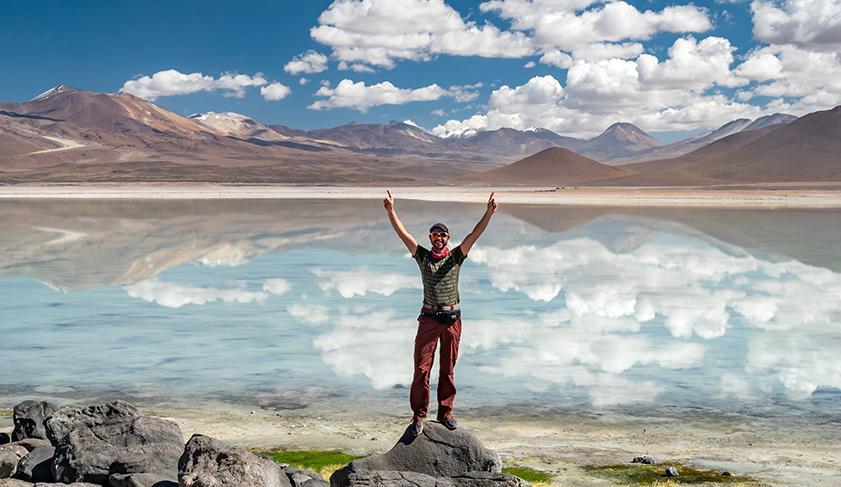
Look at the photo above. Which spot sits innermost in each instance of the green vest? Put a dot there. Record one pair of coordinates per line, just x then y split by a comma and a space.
440, 277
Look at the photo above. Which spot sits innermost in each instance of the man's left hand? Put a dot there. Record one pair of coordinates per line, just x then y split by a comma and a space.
492, 204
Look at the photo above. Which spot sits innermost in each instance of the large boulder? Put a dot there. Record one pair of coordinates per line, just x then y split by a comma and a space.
10, 455
436, 458
14, 483
209, 463
437, 451
123, 445
304, 477
389, 478
29, 417
5, 438
37, 465
65, 420
28, 443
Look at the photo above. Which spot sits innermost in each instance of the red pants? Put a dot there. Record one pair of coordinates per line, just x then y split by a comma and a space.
429, 331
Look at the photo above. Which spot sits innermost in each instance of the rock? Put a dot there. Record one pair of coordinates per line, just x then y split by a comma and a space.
726, 474
303, 478
74, 484
14, 483
29, 443
437, 451
209, 463
644, 459
29, 419
671, 472
5, 438
124, 445
10, 456
140, 480
387, 478
65, 420
37, 465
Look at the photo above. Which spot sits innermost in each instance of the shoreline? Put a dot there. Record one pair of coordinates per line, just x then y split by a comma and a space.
557, 442
769, 196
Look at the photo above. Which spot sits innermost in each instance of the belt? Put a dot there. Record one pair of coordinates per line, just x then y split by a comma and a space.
442, 307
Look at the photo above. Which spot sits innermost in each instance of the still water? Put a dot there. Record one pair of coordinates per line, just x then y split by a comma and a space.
291, 301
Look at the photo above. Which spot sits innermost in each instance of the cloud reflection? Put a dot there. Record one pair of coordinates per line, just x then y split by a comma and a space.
364, 280
175, 295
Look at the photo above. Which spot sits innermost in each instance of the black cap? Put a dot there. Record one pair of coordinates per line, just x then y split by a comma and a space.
439, 225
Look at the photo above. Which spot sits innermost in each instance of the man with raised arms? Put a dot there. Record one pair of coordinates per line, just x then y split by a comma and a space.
440, 316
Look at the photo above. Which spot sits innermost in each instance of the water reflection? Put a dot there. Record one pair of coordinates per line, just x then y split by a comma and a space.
611, 306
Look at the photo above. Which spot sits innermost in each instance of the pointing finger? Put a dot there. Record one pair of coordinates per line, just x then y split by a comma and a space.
389, 193
492, 197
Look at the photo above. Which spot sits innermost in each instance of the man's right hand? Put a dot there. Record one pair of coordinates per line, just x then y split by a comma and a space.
388, 202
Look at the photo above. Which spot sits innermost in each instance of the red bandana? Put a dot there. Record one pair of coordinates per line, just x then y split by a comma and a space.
439, 255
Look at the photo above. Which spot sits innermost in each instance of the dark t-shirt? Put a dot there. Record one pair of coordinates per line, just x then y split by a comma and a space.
440, 277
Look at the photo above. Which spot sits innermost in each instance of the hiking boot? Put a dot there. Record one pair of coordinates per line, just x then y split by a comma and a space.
450, 423
416, 428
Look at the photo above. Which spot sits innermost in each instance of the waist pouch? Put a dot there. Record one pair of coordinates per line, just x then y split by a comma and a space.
445, 317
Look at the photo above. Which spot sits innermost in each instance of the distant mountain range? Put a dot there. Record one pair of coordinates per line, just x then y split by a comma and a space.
67, 134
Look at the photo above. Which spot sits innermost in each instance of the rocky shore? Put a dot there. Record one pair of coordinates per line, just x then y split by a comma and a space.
113, 444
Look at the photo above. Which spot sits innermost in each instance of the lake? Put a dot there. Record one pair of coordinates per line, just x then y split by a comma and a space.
286, 302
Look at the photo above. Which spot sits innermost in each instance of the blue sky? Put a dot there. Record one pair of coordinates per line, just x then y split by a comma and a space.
453, 67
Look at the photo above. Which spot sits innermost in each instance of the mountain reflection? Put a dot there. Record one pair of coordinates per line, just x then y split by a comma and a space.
620, 306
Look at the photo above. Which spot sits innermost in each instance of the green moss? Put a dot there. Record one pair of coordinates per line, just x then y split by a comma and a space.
317, 460
636, 474
528, 474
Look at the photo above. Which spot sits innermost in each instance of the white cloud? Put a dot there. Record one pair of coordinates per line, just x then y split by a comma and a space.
760, 67
363, 281
813, 24
558, 25
172, 82
355, 67
557, 58
530, 65
378, 32
276, 286
275, 91
314, 314
307, 62
303, 81
691, 65
602, 50
360, 96
174, 295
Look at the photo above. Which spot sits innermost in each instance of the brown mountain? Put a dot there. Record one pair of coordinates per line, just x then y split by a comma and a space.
549, 167
619, 140
805, 150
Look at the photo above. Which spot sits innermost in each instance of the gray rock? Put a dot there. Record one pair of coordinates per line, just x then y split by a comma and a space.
645, 459
437, 451
10, 456
140, 480
303, 478
139, 444
29, 419
5, 438
209, 463
59, 484
28, 443
14, 483
671, 472
37, 465
388, 478
65, 420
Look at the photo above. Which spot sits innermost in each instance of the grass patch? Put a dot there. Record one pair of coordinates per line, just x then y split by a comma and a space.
635, 474
7, 412
528, 474
324, 462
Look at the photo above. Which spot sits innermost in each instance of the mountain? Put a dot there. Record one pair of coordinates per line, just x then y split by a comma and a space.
389, 138
686, 146
549, 167
236, 125
619, 140
807, 149
506, 144
768, 120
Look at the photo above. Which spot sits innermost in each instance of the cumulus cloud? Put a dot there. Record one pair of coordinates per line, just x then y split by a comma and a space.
813, 24
175, 295
308, 62
360, 96
363, 281
172, 82
314, 314
673, 94
379, 32
559, 25
275, 91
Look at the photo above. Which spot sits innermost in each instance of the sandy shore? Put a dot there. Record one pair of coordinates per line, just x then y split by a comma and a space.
777, 453
776, 196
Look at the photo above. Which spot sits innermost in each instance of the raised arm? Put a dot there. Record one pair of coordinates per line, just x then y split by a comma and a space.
480, 227
404, 235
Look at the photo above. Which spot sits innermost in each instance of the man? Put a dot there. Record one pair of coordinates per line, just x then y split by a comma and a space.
440, 316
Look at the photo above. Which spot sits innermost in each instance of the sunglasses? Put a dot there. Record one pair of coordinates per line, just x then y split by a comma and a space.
440, 234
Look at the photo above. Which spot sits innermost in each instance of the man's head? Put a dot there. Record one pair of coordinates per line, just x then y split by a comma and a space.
439, 235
